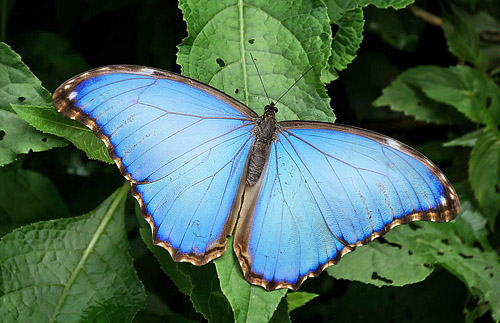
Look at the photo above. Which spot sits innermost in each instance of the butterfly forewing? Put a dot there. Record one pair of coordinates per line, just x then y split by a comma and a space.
182, 144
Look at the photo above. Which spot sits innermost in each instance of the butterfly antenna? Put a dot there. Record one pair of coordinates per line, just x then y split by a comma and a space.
303, 74
261, 82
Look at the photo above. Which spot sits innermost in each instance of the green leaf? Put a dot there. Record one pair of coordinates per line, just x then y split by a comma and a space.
250, 303
25, 197
281, 315
19, 86
284, 43
463, 41
403, 96
299, 299
347, 39
440, 244
71, 270
199, 283
469, 91
471, 225
484, 173
48, 120
467, 140
337, 7
380, 264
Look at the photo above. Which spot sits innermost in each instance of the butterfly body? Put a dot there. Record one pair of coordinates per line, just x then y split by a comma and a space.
301, 194
264, 133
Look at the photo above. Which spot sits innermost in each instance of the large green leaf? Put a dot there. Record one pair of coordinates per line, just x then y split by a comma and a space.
250, 303
441, 244
484, 173
284, 43
469, 91
347, 40
71, 270
381, 264
19, 86
25, 197
463, 41
48, 120
403, 96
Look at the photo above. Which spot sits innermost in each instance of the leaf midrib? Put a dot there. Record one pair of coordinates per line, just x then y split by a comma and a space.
90, 247
242, 49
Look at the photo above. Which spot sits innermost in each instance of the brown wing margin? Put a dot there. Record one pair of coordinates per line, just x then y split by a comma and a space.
65, 105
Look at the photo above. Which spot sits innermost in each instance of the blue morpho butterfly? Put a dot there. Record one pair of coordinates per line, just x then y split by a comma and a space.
306, 193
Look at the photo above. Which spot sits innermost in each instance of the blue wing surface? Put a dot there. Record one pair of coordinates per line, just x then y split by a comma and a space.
182, 144
329, 188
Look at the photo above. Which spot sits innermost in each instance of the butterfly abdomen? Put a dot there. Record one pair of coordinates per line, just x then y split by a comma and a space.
264, 134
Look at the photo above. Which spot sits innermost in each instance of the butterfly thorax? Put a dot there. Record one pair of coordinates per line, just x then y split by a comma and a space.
264, 133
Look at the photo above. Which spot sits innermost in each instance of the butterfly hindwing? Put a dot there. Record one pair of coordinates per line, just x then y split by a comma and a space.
182, 144
327, 189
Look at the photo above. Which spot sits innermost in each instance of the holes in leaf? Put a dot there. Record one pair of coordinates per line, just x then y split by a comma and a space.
440, 253
21, 99
465, 256
497, 188
221, 62
392, 244
251, 41
410, 252
477, 245
44, 139
30, 151
426, 265
446, 242
2, 134
237, 91
491, 275
413, 226
376, 276
488, 102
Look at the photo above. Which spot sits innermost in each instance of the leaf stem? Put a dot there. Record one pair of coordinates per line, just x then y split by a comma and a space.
426, 16
119, 195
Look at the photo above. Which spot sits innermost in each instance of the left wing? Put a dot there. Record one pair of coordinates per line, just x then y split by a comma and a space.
180, 143
328, 188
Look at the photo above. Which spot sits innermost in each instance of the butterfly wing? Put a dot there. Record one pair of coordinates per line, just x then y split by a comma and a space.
329, 188
182, 145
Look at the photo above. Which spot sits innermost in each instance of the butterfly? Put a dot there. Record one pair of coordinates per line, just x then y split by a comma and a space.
302, 193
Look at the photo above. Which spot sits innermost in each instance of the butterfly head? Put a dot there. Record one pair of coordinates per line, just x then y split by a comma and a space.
270, 110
